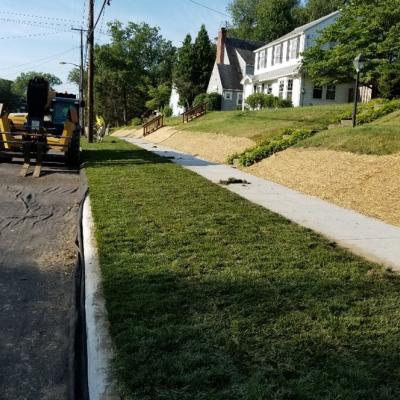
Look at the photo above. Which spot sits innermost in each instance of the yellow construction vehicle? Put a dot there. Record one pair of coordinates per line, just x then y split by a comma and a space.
50, 127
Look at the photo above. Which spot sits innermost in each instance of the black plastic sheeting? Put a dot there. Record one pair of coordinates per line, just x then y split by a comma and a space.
42, 328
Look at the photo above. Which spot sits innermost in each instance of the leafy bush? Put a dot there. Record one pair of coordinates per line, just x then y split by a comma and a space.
263, 150
214, 101
200, 99
256, 101
136, 121
262, 100
167, 112
283, 103
376, 109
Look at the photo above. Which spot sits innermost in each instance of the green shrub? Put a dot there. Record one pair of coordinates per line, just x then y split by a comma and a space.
374, 109
200, 99
214, 101
282, 103
261, 100
256, 101
167, 112
263, 150
136, 121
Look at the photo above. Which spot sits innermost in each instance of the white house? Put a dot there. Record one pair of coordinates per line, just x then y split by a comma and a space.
277, 67
177, 110
235, 59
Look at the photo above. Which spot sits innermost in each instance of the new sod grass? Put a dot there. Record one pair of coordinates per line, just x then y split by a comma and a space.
212, 297
263, 124
380, 137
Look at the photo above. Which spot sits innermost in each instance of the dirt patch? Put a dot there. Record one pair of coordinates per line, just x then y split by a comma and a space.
365, 183
211, 146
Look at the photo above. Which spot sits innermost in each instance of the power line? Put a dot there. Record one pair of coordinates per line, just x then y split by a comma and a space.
209, 8
30, 35
40, 60
38, 24
39, 16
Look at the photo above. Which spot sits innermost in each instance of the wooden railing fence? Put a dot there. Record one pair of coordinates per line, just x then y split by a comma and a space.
153, 125
194, 112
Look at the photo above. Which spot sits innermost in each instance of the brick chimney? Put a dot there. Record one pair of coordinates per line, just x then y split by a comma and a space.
221, 45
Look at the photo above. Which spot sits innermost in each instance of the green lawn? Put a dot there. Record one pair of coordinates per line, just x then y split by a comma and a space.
266, 123
380, 137
212, 297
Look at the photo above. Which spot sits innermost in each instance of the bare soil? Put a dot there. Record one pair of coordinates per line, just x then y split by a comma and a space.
210, 146
365, 183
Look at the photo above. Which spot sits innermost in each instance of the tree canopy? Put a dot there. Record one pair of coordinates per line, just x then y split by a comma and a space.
266, 20
193, 66
20, 85
364, 27
137, 59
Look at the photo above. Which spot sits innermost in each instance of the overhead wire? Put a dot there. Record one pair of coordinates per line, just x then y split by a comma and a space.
39, 16
209, 8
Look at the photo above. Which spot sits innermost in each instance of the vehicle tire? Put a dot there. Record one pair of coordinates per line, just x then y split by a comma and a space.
73, 153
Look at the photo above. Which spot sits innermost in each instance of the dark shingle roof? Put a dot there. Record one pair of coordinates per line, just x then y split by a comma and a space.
230, 79
231, 75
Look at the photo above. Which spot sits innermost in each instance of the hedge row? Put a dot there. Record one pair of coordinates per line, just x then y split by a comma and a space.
266, 149
374, 110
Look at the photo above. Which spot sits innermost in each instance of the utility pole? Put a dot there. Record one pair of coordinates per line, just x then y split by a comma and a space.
81, 84
90, 96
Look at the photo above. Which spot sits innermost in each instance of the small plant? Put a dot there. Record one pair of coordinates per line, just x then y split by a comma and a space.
167, 112
136, 121
289, 137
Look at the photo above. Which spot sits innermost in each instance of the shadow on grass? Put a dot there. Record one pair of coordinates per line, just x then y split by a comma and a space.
108, 157
279, 338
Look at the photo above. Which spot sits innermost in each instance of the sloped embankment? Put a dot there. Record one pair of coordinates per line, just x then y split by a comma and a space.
210, 146
369, 184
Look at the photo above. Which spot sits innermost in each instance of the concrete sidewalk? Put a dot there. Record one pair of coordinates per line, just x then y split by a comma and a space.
365, 236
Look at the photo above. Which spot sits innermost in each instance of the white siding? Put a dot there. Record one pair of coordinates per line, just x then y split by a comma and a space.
342, 94
174, 103
215, 84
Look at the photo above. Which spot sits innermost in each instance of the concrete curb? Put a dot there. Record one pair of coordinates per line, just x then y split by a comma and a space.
99, 344
368, 237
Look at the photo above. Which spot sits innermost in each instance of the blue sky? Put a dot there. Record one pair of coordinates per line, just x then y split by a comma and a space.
32, 41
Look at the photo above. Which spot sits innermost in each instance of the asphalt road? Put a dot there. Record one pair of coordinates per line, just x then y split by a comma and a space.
38, 228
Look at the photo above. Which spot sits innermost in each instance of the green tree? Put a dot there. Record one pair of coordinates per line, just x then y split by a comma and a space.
159, 96
315, 9
204, 58
20, 85
275, 18
193, 66
137, 59
7, 96
244, 18
364, 26
184, 72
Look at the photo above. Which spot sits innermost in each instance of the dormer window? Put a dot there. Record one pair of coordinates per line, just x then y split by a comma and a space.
261, 59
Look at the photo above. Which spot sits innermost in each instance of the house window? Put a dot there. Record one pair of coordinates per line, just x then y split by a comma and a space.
278, 53
293, 48
281, 89
289, 92
317, 92
269, 90
331, 92
227, 95
240, 99
261, 60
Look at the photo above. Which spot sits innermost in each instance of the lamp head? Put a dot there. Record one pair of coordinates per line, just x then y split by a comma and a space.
359, 63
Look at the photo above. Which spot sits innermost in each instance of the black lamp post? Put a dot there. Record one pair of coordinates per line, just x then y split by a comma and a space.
359, 63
